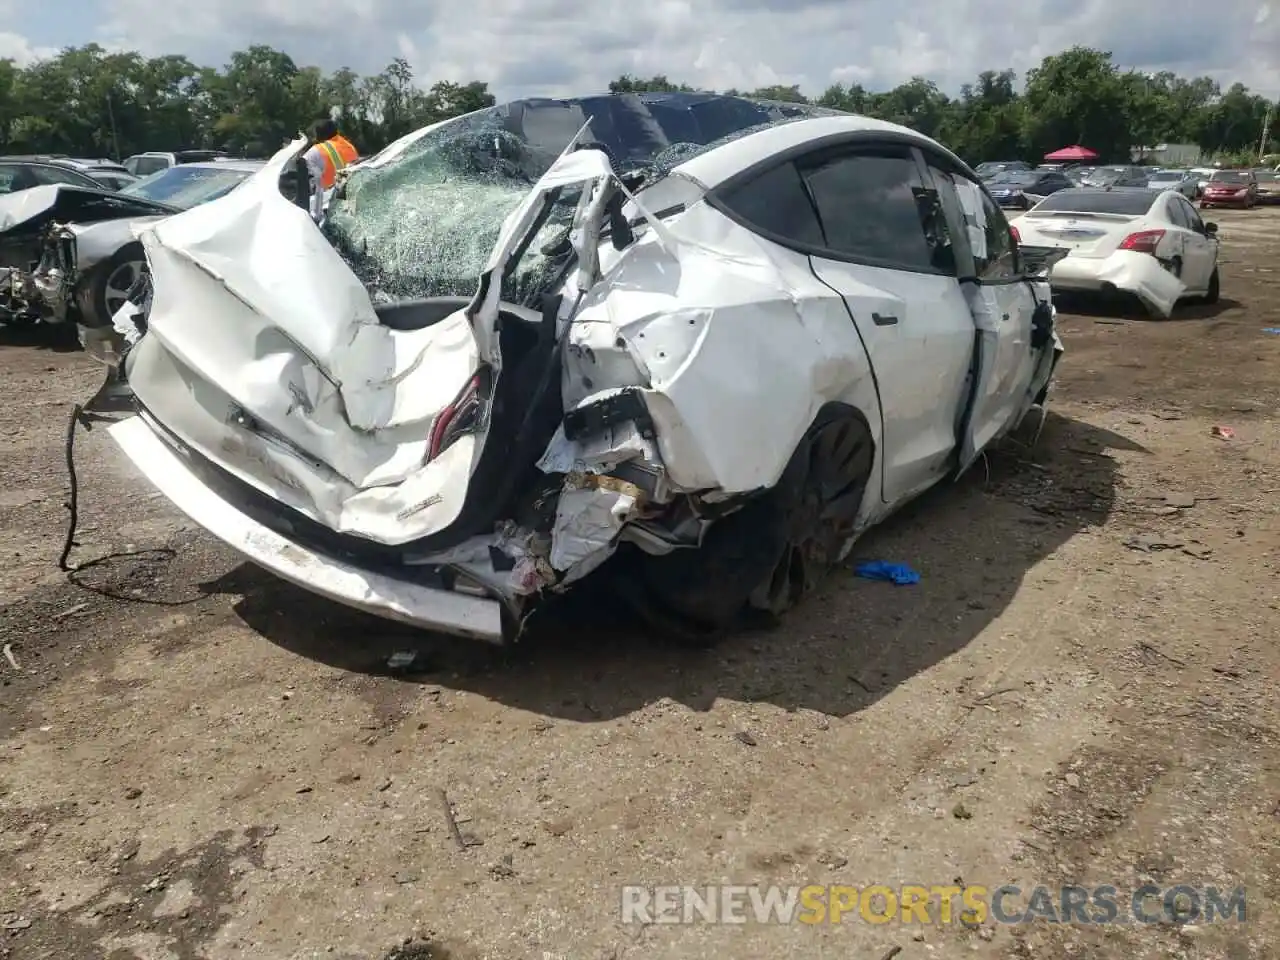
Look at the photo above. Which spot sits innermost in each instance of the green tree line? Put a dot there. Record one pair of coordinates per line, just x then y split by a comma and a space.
1078, 96
87, 101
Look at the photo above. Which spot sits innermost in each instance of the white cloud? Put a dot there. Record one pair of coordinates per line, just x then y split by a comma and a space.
549, 47
18, 48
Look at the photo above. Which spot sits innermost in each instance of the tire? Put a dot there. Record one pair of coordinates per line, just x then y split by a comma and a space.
1215, 288
113, 283
767, 556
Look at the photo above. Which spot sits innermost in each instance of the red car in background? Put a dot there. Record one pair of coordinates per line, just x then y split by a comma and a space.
1230, 188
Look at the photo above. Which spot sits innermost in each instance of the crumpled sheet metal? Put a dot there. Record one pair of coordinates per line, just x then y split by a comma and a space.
257, 263
591, 512
696, 318
25, 205
1137, 273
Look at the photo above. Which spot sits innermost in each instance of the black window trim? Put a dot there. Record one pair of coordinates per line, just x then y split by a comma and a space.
853, 142
966, 262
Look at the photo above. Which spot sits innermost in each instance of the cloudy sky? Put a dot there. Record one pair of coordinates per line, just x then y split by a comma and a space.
528, 47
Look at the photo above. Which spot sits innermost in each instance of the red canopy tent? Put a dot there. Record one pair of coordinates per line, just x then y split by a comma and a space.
1075, 152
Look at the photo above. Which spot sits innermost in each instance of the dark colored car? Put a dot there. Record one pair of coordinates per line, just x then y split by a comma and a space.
993, 168
1022, 190
22, 173
1120, 176
110, 174
1230, 188
1268, 185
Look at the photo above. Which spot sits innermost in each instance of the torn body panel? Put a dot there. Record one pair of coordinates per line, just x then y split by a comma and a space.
1137, 273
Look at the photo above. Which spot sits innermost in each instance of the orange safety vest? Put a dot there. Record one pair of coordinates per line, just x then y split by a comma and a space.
336, 153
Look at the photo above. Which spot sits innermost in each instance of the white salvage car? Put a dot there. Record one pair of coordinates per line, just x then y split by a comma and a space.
1151, 244
704, 339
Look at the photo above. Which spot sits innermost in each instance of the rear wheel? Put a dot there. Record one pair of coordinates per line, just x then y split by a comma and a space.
767, 556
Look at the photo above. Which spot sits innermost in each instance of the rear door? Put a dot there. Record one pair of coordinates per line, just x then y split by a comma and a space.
887, 252
1201, 249
1002, 304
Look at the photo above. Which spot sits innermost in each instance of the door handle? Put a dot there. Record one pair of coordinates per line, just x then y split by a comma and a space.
880, 320
1004, 318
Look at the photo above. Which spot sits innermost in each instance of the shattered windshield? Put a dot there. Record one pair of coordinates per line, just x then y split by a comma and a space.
421, 221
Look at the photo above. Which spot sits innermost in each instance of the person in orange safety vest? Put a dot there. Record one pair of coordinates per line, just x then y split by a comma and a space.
330, 153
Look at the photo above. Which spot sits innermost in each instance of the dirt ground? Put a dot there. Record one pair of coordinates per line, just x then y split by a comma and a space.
197, 761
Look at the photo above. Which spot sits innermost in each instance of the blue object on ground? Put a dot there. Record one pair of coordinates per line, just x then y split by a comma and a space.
1271, 329
898, 573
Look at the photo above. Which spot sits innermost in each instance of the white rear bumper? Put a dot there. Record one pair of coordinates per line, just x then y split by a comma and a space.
1136, 273
422, 606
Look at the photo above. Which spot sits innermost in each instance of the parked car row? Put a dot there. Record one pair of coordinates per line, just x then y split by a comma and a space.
1016, 184
24, 172
69, 251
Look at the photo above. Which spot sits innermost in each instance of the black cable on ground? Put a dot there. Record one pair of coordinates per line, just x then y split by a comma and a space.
73, 499
80, 417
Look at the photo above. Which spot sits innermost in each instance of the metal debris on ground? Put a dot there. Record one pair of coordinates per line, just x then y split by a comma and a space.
8, 655
1223, 433
1151, 543
402, 660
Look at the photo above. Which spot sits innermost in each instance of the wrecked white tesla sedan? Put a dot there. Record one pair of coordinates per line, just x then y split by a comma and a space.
704, 339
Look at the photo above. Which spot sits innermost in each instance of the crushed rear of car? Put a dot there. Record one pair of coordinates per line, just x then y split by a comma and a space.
362, 420
533, 345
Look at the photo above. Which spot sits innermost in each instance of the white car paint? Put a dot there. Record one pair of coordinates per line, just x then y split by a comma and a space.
1181, 263
265, 356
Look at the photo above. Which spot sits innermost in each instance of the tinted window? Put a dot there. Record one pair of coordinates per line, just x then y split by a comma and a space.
877, 208
1001, 261
1133, 203
10, 178
1176, 213
1016, 179
1229, 176
776, 202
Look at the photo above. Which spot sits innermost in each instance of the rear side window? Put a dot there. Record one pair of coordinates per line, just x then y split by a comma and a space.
1176, 215
876, 208
777, 203
995, 254
1190, 215
50, 175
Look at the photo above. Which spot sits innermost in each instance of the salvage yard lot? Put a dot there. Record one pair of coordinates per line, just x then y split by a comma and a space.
197, 761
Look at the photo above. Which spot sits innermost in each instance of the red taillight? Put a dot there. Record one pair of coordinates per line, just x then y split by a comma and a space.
1144, 241
455, 419
1017, 237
